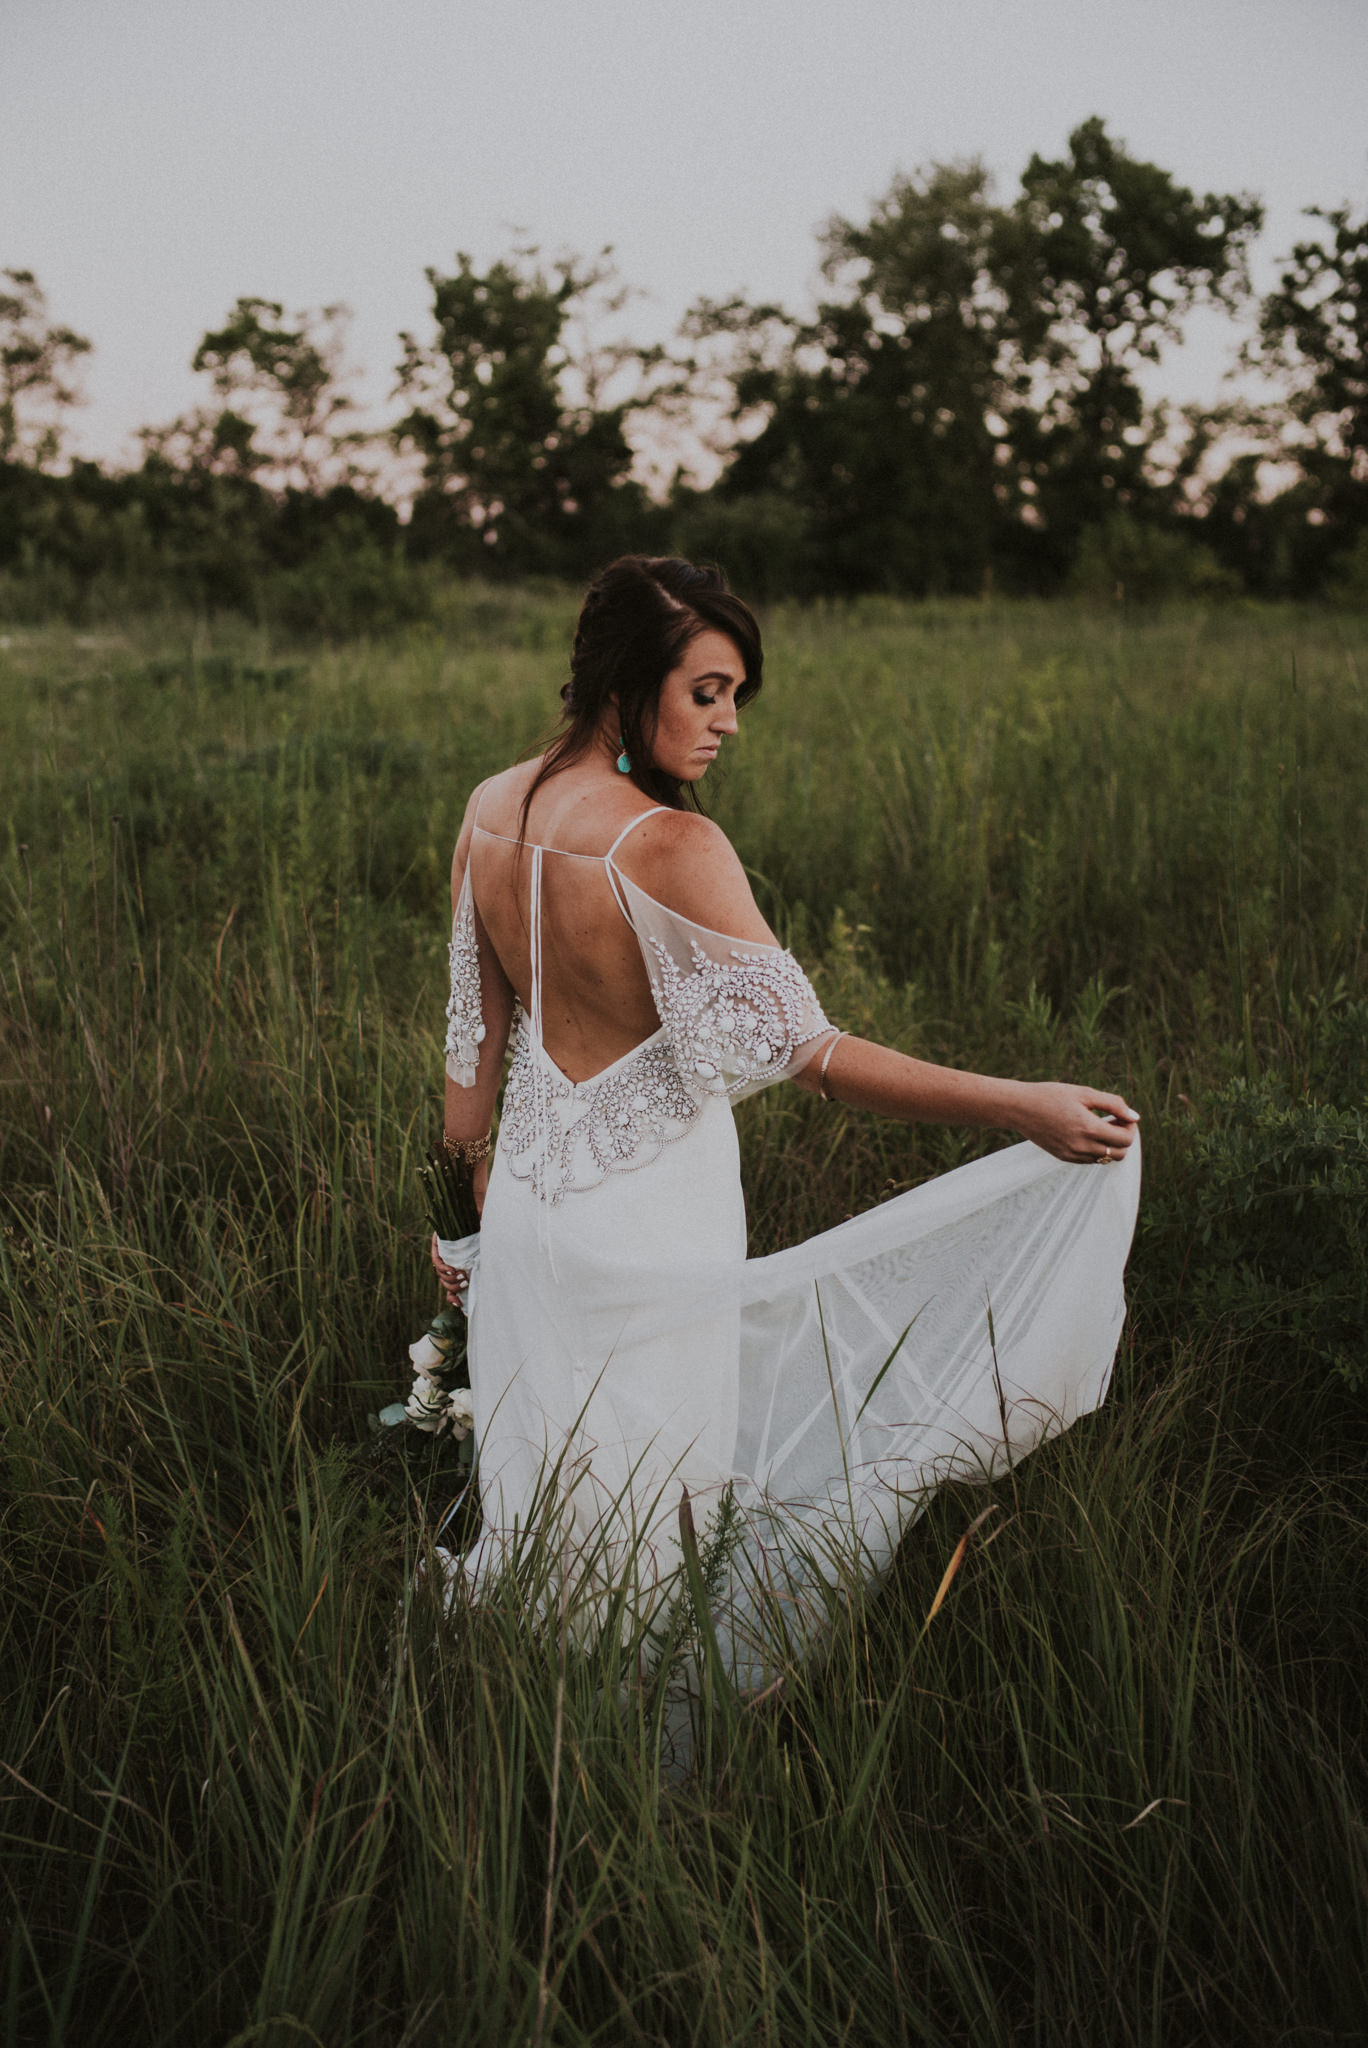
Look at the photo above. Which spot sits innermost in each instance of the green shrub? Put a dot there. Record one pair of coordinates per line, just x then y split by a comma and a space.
762, 540
1126, 558
1268, 1231
1348, 581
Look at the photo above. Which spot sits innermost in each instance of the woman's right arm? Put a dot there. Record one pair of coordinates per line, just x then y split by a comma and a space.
468, 1110
470, 1102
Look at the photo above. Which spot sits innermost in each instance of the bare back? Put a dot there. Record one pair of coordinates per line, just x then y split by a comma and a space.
596, 999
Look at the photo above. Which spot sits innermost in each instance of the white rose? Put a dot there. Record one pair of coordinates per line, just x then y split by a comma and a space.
461, 1413
428, 1352
424, 1404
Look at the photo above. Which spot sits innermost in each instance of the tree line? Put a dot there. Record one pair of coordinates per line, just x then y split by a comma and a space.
963, 409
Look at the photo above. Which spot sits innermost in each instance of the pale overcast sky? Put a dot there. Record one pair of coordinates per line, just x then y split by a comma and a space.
160, 157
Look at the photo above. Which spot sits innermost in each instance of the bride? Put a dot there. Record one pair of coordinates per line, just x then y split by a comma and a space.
622, 1347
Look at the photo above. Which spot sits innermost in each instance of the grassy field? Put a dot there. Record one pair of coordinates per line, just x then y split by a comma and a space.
253, 1789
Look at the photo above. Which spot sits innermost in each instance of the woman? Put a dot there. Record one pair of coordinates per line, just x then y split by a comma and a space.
622, 1348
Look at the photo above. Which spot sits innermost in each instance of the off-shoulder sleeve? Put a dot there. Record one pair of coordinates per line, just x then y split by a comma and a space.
465, 1016
737, 1015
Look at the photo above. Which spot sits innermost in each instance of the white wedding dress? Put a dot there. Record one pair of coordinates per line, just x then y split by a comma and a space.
623, 1348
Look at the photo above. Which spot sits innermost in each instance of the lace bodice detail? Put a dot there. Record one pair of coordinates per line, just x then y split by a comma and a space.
734, 1024
735, 1016
565, 1137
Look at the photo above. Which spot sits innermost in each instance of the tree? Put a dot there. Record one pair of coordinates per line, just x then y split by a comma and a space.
525, 461
204, 443
36, 358
965, 400
878, 416
1313, 331
264, 479
281, 413
284, 382
1101, 258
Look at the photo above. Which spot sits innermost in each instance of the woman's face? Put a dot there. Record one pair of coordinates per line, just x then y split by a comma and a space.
696, 709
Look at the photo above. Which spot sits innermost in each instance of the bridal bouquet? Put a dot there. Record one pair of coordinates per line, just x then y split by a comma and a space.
440, 1402
441, 1379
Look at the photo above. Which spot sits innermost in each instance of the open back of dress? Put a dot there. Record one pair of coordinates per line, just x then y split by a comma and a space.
623, 1347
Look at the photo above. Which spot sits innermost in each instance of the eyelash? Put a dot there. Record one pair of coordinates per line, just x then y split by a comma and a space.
701, 701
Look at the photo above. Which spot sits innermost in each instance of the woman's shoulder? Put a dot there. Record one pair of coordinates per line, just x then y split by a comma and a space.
494, 804
499, 797
688, 864
664, 840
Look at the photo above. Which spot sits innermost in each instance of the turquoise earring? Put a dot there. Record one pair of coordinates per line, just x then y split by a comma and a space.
624, 759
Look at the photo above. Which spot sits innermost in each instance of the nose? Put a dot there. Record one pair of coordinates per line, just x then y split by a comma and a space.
724, 716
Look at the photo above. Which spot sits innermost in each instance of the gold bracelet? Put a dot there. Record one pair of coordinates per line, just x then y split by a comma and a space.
826, 1062
467, 1151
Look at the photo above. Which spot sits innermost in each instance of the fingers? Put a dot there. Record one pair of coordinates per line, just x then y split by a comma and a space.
1115, 1106
1084, 1126
446, 1272
1106, 1142
454, 1279
1112, 1132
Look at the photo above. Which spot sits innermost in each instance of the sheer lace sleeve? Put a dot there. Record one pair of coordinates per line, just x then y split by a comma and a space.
465, 1016
737, 1015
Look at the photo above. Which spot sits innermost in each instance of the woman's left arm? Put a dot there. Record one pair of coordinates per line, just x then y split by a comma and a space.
1081, 1125
690, 866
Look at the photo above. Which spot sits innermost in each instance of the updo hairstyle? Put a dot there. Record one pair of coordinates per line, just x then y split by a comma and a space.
638, 617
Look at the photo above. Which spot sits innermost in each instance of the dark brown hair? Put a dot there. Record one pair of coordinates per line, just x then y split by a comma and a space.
638, 616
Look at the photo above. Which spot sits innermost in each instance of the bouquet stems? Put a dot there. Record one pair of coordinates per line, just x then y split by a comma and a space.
449, 1195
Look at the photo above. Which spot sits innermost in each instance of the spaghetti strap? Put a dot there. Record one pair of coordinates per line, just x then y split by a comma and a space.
564, 851
614, 881
631, 826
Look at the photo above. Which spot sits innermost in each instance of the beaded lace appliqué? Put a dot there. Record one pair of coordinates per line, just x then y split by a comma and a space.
465, 1024
735, 1023
728, 1026
565, 1140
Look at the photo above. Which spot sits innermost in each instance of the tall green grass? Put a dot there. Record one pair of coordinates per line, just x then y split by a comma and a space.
256, 1787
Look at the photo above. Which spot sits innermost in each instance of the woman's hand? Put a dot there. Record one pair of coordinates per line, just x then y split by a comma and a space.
454, 1279
1083, 1125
